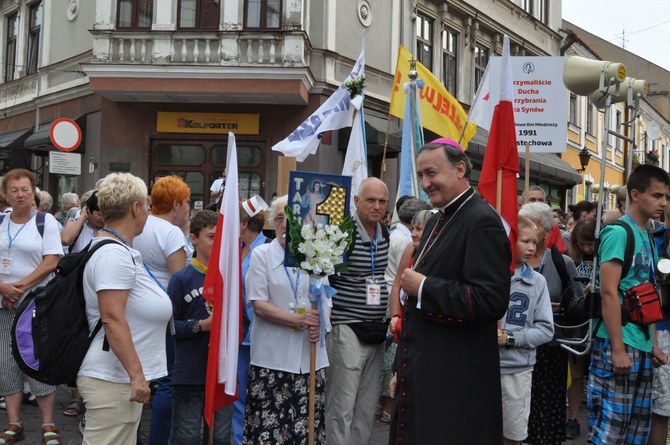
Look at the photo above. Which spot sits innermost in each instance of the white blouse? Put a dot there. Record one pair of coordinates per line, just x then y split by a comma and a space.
275, 346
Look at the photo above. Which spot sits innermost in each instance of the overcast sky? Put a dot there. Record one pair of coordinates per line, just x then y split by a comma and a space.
644, 23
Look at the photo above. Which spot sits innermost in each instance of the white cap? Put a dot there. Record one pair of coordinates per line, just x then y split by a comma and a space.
254, 205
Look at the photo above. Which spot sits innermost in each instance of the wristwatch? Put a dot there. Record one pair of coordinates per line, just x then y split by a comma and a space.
510, 340
195, 326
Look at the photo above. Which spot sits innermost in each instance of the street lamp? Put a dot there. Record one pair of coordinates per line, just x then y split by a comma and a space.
584, 158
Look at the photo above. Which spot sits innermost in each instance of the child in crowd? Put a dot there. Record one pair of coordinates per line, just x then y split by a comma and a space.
582, 248
527, 324
193, 322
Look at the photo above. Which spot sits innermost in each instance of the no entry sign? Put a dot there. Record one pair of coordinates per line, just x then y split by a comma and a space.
65, 134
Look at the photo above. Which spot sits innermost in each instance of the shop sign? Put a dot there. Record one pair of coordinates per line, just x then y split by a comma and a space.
208, 123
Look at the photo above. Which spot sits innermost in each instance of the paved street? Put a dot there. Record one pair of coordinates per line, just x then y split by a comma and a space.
71, 435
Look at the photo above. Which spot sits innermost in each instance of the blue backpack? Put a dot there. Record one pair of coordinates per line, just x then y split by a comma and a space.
50, 331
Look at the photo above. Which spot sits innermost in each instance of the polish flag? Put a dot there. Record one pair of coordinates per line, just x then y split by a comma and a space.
497, 183
223, 289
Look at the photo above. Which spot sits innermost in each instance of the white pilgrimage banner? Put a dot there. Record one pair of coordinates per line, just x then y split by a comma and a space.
540, 102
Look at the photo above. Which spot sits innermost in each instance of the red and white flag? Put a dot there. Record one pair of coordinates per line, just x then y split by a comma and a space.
497, 183
480, 111
223, 288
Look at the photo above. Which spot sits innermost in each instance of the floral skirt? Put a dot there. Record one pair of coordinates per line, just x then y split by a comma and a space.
277, 411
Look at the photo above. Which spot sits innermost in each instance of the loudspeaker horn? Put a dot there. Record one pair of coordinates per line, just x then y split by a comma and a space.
583, 76
629, 89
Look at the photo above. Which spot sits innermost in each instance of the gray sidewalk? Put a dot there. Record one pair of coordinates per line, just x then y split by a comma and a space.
71, 436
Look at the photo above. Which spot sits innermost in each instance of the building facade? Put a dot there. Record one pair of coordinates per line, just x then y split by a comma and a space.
155, 85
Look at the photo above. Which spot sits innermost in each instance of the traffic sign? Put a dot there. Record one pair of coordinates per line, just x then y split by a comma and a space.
65, 134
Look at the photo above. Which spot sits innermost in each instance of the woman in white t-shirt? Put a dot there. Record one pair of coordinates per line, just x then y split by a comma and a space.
134, 311
27, 258
163, 248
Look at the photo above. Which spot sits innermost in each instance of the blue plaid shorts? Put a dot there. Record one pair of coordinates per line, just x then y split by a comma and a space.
619, 405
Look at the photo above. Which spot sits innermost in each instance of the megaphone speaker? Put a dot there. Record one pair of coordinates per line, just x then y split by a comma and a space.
582, 76
629, 85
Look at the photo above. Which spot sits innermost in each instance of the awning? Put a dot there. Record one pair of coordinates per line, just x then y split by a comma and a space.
545, 166
40, 140
14, 139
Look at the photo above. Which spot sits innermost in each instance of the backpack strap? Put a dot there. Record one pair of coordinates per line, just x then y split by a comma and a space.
559, 263
89, 253
39, 221
630, 247
385, 234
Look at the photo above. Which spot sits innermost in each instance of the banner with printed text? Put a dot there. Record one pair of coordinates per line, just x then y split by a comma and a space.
540, 102
440, 111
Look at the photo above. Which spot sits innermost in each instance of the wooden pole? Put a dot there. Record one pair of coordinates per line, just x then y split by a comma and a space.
465, 126
285, 164
312, 390
386, 142
210, 439
527, 174
499, 191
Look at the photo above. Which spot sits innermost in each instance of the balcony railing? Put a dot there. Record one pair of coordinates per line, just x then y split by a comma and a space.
289, 48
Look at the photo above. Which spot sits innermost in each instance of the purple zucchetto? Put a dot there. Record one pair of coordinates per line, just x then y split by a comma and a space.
447, 141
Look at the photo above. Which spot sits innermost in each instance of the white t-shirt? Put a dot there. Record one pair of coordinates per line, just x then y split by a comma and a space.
84, 237
148, 310
398, 241
276, 346
217, 186
159, 240
28, 247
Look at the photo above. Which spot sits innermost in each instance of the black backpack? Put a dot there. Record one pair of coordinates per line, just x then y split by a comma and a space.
580, 309
50, 331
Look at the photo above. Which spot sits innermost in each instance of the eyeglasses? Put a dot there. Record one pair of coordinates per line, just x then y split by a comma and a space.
279, 219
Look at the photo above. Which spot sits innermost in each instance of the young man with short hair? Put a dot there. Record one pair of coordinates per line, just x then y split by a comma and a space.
620, 381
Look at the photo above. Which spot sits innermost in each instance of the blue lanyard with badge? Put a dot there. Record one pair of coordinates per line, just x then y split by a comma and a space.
7, 256
373, 288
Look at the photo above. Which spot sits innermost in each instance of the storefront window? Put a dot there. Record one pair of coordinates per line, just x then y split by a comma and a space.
246, 156
200, 162
180, 154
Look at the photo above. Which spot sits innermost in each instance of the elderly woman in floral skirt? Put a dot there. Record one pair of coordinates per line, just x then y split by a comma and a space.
278, 391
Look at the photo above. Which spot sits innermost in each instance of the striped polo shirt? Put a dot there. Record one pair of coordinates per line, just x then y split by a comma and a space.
349, 304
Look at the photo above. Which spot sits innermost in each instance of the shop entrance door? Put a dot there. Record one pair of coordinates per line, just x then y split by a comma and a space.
200, 162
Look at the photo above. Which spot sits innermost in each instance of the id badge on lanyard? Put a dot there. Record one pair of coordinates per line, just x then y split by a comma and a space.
6, 261
373, 288
373, 292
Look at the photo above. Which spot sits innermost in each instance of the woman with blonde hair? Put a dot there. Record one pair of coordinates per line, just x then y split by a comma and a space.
120, 291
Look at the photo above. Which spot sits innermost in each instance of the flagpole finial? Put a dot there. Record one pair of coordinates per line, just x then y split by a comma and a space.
413, 75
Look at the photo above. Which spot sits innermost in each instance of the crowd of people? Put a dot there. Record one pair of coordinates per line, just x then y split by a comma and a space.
439, 326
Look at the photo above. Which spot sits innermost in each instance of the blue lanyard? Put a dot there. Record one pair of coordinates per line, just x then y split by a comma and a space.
544, 255
373, 253
116, 234
152, 276
297, 282
9, 223
645, 248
